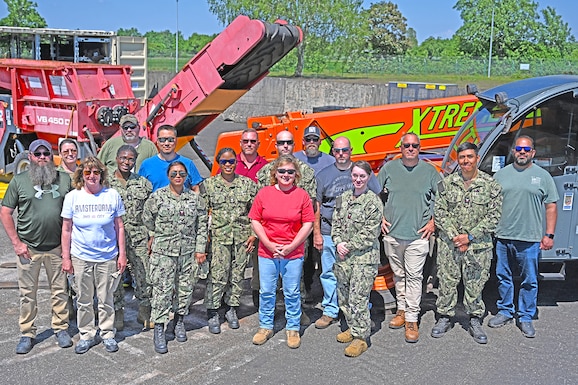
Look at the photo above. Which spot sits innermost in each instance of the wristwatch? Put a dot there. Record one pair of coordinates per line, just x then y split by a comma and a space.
551, 236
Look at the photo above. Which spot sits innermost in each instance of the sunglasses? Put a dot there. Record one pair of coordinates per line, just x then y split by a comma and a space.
343, 149
525, 148
127, 127
286, 171
407, 145
247, 141
182, 174
38, 154
226, 161
88, 172
311, 139
163, 140
284, 142
68, 152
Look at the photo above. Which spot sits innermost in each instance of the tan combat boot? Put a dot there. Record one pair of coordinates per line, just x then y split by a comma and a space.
144, 316
398, 321
356, 348
324, 322
262, 336
411, 332
293, 339
119, 319
345, 337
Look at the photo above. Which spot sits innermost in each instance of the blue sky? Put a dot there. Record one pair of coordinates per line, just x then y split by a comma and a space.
428, 17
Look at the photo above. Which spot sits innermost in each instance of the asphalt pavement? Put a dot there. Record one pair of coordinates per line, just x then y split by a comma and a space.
231, 358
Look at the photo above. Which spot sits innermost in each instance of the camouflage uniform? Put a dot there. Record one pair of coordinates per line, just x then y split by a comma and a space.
179, 224
230, 228
357, 221
134, 194
476, 211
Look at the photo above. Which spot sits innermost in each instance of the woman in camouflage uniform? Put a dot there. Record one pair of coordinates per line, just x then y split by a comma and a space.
356, 225
177, 220
229, 197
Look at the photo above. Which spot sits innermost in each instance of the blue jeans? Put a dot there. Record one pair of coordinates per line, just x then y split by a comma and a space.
290, 270
524, 256
327, 278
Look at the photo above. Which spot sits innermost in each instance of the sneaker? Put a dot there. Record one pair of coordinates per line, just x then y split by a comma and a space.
293, 339
110, 345
441, 327
83, 346
499, 320
345, 337
24, 345
324, 322
63, 338
477, 331
527, 329
356, 348
398, 321
262, 336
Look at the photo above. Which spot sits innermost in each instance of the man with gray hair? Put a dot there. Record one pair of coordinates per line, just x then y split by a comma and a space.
38, 194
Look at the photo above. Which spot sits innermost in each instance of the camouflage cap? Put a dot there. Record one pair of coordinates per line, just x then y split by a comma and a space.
128, 118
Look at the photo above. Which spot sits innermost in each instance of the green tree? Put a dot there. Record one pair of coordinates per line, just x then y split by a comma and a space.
128, 32
555, 36
23, 13
161, 43
388, 32
436, 47
323, 22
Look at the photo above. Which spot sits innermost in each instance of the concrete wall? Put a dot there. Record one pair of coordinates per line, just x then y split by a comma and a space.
278, 95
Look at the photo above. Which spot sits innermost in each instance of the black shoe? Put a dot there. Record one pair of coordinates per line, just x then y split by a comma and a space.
499, 320
214, 323
441, 327
180, 330
63, 338
24, 346
232, 319
527, 329
83, 346
255, 294
477, 331
160, 339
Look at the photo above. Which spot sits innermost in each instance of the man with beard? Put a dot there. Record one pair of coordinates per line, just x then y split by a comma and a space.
38, 194
129, 129
527, 189
332, 181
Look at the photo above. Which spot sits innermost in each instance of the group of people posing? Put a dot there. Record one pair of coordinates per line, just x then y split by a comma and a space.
153, 211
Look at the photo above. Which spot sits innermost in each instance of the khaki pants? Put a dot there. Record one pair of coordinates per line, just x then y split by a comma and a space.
90, 278
406, 259
28, 273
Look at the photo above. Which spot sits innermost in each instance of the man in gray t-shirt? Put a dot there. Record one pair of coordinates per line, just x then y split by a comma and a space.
411, 185
527, 189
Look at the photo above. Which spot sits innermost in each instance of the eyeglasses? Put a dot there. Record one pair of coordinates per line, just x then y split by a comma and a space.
88, 172
127, 127
284, 142
247, 141
311, 139
226, 161
46, 154
163, 140
343, 150
525, 148
182, 174
286, 171
407, 145
64, 152
123, 159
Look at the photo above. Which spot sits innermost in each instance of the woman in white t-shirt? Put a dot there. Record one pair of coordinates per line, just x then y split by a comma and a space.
93, 249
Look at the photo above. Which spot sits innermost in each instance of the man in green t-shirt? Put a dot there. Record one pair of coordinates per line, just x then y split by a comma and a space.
38, 194
527, 189
410, 185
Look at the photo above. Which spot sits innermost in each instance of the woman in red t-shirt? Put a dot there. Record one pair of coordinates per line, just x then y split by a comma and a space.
282, 218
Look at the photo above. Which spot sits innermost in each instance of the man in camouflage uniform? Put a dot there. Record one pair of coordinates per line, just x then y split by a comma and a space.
178, 224
285, 145
229, 198
467, 210
134, 191
356, 224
